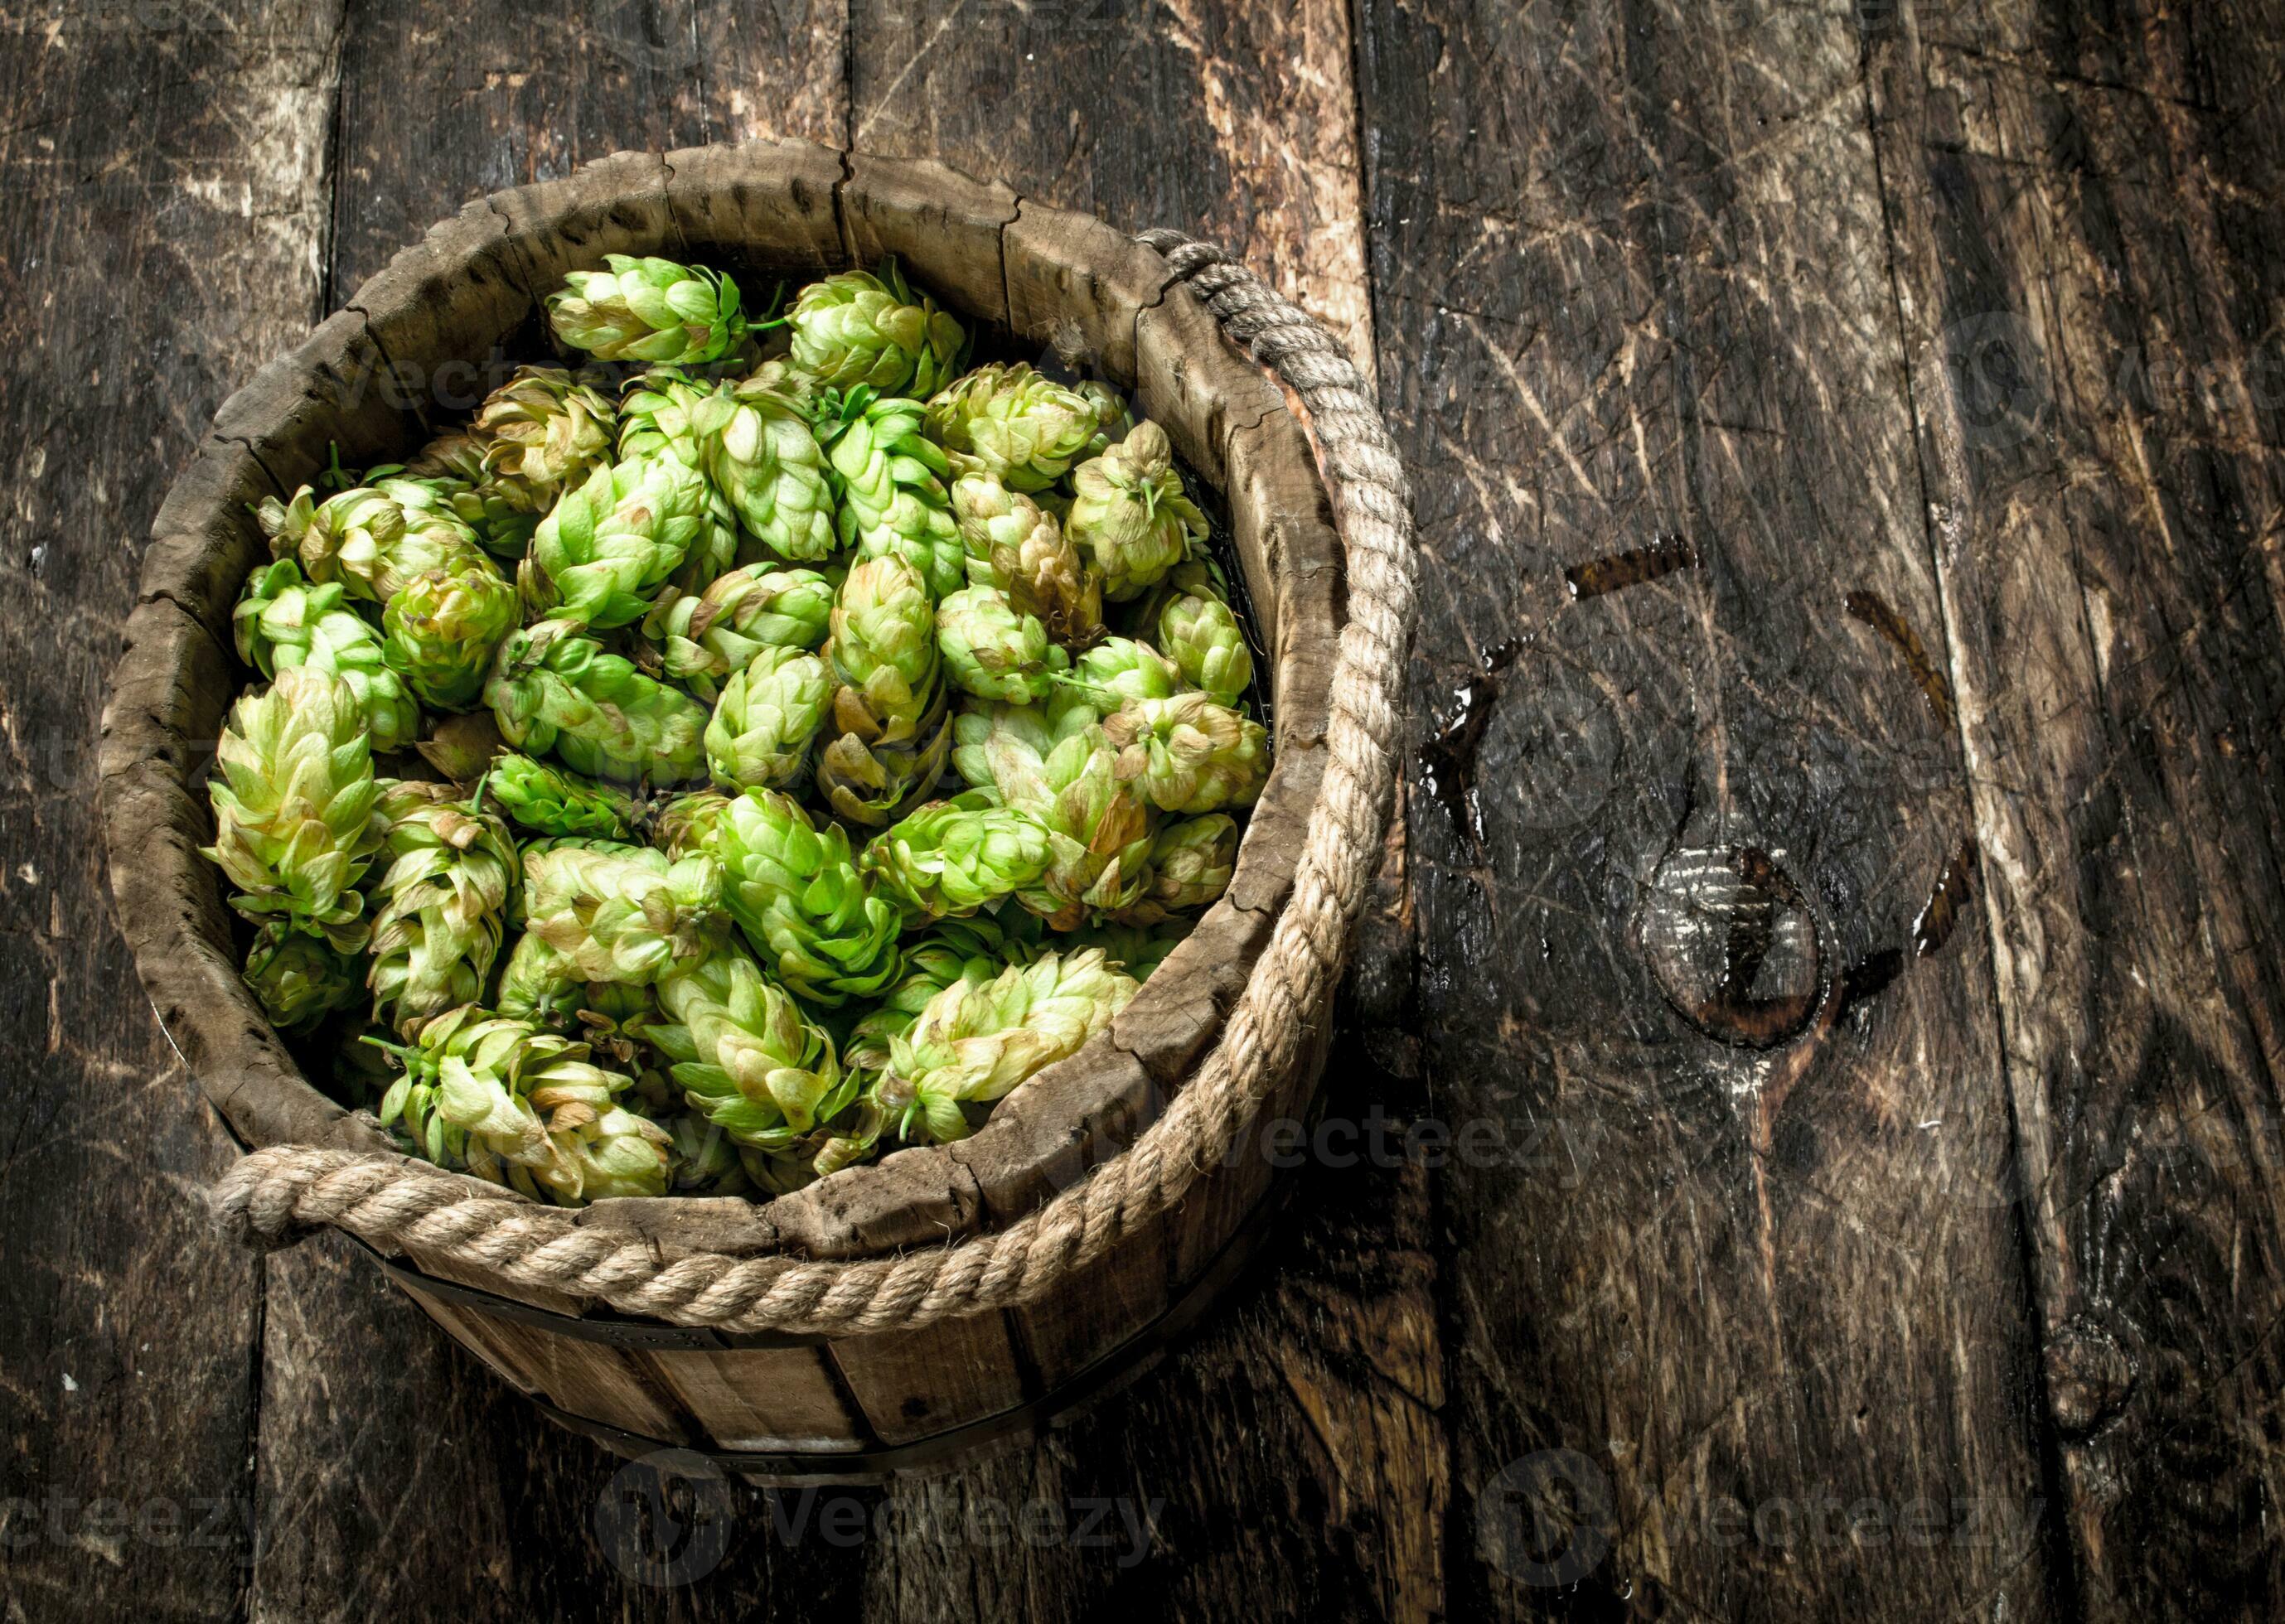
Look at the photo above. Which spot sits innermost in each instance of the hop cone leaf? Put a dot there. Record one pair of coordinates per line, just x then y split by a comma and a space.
1187, 753
703, 638
506, 1100
1014, 544
443, 630
952, 857
545, 430
603, 553
876, 784
744, 1054
800, 900
1130, 515
1207, 645
1025, 429
281, 621
624, 916
762, 725
756, 444
455, 466
862, 327
1191, 861
973, 1044
890, 480
548, 800
553, 688
292, 805
443, 904
300, 978
1099, 826
993, 651
648, 309
373, 539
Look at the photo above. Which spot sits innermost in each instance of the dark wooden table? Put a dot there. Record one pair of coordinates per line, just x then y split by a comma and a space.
1803, 1138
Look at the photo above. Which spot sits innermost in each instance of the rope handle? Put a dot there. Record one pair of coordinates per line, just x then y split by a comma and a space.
277, 1195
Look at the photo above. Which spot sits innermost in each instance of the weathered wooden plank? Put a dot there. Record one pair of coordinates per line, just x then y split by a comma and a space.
2086, 214
1635, 262
1235, 121
163, 183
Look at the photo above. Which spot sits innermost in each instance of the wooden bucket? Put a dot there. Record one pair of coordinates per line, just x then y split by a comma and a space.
419, 345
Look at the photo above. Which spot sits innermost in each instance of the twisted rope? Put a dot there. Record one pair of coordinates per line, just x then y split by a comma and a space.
276, 1196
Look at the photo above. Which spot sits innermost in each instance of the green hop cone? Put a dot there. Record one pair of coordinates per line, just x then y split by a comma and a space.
553, 688
954, 857
702, 1159
648, 309
510, 1102
862, 327
628, 916
687, 823
1119, 669
454, 465
656, 410
951, 952
1191, 860
1014, 544
292, 805
1129, 515
546, 430
757, 445
993, 651
607, 548
890, 731
973, 1044
1207, 645
1137, 949
759, 734
443, 904
799, 898
702, 639
892, 482
1025, 429
443, 630
548, 800
300, 978
373, 539
883, 650
1187, 753
537, 984
1064, 773
745, 1056
282, 622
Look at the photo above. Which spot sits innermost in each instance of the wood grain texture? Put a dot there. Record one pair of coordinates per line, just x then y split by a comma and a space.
2083, 211
1236, 122
1722, 1293
151, 151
